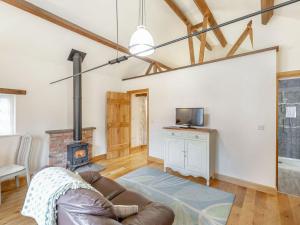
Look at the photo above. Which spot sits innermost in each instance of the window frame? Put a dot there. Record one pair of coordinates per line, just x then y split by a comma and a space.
13, 115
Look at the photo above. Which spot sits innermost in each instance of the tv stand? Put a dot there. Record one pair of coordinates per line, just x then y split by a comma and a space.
198, 129
190, 151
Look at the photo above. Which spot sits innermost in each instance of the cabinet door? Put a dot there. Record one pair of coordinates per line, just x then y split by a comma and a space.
197, 157
175, 152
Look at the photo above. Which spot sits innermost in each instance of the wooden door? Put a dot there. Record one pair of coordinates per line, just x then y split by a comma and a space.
118, 124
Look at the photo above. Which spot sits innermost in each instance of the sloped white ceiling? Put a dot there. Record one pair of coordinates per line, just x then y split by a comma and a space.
98, 16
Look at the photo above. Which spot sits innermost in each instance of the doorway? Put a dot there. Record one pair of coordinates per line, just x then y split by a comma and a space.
139, 120
289, 135
127, 123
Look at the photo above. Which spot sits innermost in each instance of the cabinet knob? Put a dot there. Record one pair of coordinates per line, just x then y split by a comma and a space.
173, 134
196, 136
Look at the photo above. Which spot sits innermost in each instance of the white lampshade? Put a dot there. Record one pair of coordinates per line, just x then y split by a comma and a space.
141, 40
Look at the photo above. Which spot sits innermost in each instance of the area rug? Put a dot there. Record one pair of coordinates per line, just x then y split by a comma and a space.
192, 203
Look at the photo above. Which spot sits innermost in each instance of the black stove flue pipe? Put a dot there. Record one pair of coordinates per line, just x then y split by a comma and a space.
77, 58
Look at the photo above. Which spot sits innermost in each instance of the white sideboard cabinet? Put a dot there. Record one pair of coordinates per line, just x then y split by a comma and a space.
190, 151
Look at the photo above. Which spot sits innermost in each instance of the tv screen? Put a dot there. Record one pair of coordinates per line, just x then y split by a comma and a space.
190, 116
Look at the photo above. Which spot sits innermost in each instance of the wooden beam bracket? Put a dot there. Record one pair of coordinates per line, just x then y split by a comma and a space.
203, 40
204, 9
191, 44
197, 26
247, 32
149, 69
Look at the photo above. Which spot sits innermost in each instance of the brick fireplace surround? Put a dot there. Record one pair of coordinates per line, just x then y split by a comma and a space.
58, 141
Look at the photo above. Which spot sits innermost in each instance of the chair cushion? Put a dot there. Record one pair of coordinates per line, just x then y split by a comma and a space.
10, 170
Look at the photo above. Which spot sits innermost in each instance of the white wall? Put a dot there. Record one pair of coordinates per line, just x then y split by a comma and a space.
42, 108
94, 91
33, 53
239, 95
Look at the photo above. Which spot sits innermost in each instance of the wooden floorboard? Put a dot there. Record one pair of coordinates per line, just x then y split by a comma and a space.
251, 207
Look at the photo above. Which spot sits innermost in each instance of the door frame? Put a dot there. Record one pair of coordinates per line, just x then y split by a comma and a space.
133, 92
282, 76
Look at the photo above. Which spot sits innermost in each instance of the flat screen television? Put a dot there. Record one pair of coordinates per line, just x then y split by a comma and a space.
190, 117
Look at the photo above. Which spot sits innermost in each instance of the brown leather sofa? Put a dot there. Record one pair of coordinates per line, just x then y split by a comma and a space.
85, 207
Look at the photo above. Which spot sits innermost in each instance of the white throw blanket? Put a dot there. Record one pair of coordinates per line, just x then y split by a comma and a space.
45, 189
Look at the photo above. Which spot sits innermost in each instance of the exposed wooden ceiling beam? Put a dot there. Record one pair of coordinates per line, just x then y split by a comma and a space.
207, 45
46, 15
185, 20
204, 9
178, 12
247, 32
265, 17
155, 68
159, 68
275, 48
203, 40
191, 45
197, 26
149, 69
12, 91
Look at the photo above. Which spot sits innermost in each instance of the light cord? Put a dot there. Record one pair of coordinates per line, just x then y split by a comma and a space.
117, 27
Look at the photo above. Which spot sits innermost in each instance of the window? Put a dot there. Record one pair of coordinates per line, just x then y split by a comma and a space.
7, 114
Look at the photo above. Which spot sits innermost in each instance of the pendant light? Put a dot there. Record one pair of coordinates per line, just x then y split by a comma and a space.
141, 40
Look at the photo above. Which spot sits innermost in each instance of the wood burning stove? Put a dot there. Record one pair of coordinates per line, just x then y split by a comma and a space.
77, 155
79, 149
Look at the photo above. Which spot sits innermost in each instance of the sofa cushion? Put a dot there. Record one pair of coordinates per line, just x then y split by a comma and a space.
90, 176
86, 201
131, 198
108, 188
152, 214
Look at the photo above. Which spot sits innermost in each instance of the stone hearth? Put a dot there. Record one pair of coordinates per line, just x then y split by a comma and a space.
58, 141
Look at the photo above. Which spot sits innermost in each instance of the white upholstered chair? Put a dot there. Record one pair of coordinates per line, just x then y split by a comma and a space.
21, 166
